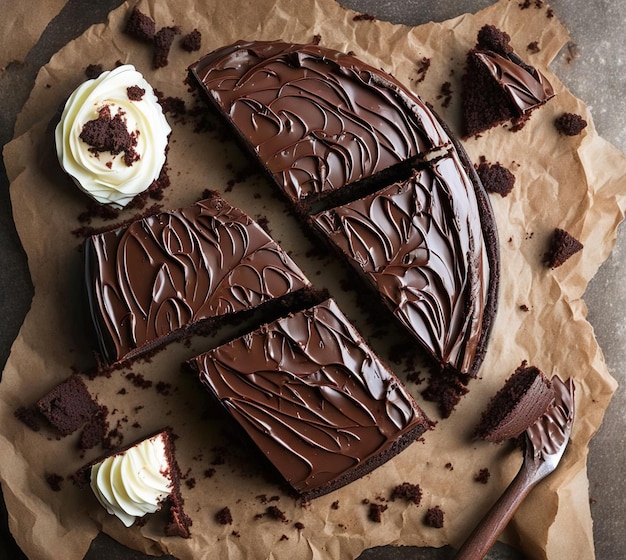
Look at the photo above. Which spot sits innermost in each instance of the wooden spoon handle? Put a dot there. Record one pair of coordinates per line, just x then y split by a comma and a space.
487, 531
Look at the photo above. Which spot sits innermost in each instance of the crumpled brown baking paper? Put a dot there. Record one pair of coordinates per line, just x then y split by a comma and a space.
576, 183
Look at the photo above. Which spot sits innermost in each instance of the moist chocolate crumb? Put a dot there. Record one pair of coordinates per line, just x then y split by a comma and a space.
335, 505
208, 473
94, 432
283, 538
445, 93
570, 124
364, 17
54, 481
422, 67
175, 106
446, 389
317, 39
524, 307
449, 466
135, 93
224, 517
482, 476
563, 246
299, 525
375, 512
408, 492
110, 134
533, 47
275, 513
140, 26
434, 517
496, 178
163, 40
93, 71
29, 415
138, 380
192, 41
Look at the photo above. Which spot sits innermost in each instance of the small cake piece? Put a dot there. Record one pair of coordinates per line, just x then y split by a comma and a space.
562, 247
164, 276
522, 400
69, 406
110, 141
570, 124
313, 398
140, 479
163, 40
140, 26
420, 244
496, 178
317, 119
498, 86
192, 41
434, 517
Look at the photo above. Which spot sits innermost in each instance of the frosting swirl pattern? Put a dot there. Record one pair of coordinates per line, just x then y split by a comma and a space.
170, 271
108, 174
420, 244
313, 397
134, 482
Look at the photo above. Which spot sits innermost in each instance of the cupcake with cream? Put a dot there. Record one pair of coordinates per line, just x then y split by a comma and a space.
112, 136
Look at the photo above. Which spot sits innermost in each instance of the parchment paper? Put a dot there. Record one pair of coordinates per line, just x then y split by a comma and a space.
575, 183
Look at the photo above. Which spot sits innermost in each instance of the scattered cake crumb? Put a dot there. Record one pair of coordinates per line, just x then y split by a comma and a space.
140, 26
29, 415
422, 67
434, 517
93, 71
570, 124
533, 47
135, 93
192, 41
299, 525
446, 389
54, 481
482, 476
408, 492
524, 307
163, 40
375, 512
364, 17
563, 246
496, 178
276, 513
445, 93
335, 505
224, 516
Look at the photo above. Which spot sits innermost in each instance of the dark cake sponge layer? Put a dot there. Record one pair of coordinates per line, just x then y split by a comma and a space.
313, 398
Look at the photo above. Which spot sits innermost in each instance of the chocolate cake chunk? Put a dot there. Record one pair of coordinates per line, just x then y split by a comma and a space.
163, 40
140, 26
434, 517
165, 275
314, 398
69, 406
192, 41
498, 86
562, 247
496, 178
316, 119
522, 400
420, 244
570, 124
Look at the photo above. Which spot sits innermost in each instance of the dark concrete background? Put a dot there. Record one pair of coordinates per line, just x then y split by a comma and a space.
597, 75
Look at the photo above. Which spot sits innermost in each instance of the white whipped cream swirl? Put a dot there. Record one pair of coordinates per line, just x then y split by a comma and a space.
104, 176
134, 482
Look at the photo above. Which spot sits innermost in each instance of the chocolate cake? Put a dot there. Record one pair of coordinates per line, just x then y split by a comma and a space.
140, 479
522, 400
314, 398
563, 245
498, 86
165, 275
317, 119
419, 243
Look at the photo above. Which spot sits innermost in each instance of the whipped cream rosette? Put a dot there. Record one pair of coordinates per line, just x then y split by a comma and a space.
112, 136
135, 482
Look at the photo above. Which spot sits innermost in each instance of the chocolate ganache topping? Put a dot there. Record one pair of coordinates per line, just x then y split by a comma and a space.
420, 244
314, 398
316, 118
170, 271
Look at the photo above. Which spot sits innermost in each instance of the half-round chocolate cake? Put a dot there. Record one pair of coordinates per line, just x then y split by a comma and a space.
330, 129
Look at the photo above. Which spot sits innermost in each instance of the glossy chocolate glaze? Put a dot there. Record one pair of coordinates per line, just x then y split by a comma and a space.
313, 397
168, 272
525, 86
420, 244
316, 118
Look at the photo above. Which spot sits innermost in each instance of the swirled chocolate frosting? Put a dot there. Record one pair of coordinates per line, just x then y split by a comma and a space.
420, 244
164, 274
317, 402
316, 118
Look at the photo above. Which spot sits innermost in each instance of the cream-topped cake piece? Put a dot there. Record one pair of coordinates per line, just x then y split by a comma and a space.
112, 136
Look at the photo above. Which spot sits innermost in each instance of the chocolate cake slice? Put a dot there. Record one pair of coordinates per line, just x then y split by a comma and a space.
140, 479
317, 119
314, 398
420, 244
498, 86
168, 274
522, 400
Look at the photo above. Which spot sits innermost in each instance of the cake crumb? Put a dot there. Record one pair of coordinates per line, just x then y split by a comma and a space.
140, 26
163, 40
496, 178
192, 41
364, 17
422, 67
562, 247
570, 124
93, 71
533, 47
224, 516
434, 517
54, 481
408, 492
375, 512
482, 476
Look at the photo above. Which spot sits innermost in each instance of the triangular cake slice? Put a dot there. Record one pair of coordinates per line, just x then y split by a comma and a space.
420, 243
498, 86
166, 275
316, 119
314, 398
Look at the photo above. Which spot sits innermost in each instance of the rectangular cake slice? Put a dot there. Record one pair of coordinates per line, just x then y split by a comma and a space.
420, 244
314, 398
165, 275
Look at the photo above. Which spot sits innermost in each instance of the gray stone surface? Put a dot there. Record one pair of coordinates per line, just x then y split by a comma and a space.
596, 75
